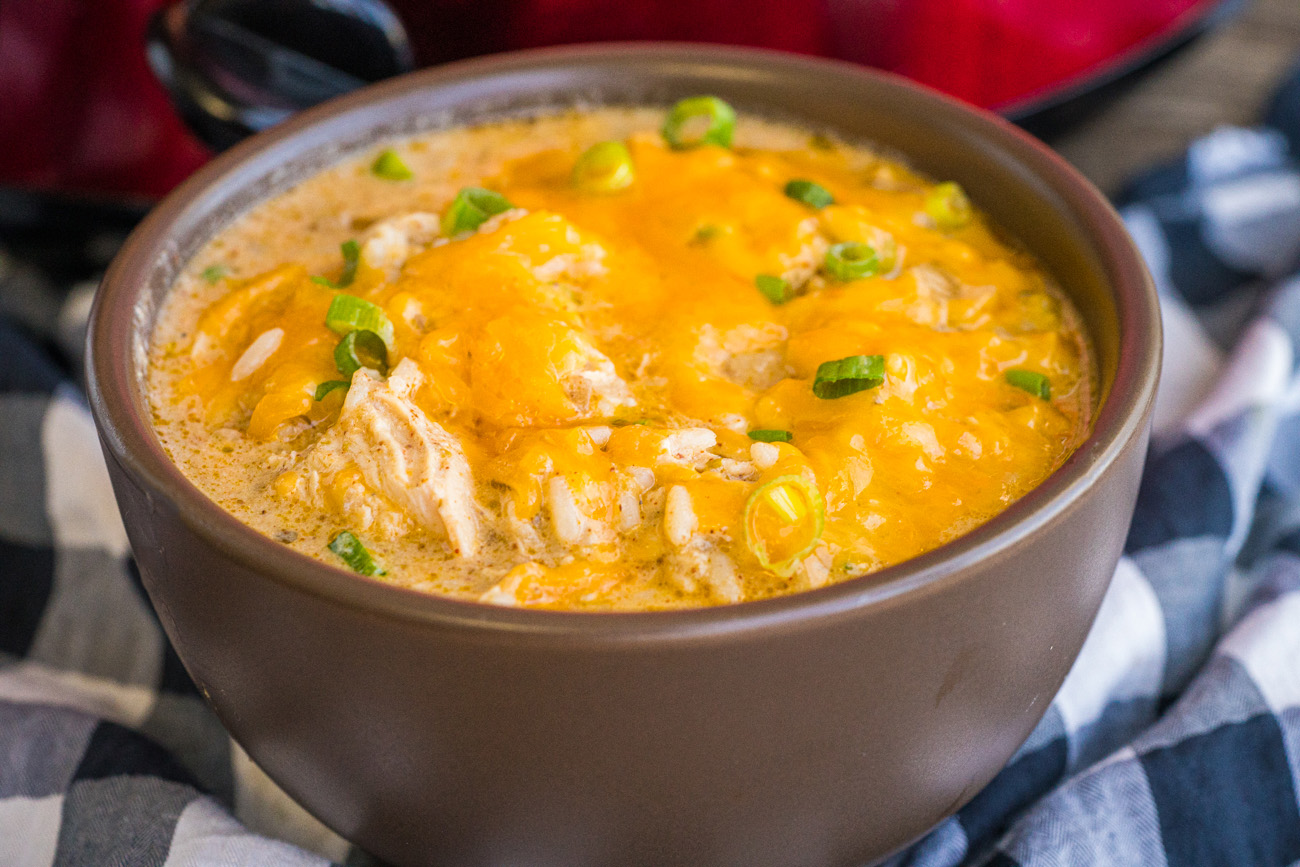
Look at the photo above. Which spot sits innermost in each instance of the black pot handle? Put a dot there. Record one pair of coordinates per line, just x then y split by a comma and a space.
235, 67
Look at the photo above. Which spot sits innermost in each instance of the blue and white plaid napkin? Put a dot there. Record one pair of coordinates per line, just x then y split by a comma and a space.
1174, 741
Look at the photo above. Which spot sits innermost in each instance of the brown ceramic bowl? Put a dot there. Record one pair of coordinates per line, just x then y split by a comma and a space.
827, 728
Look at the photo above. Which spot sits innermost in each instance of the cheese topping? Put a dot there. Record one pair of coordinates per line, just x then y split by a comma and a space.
543, 373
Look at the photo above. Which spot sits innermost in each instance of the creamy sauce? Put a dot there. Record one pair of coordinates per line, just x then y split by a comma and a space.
566, 417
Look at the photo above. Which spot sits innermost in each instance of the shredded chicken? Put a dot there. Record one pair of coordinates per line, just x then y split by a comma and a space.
752, 355
389, 243
689, 447
401, 454
591, 382
802, 265
738, 471
587, 262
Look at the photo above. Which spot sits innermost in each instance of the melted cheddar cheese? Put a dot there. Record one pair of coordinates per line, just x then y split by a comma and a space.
564, 414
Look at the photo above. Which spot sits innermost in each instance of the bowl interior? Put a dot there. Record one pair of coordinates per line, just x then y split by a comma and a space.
1027, 190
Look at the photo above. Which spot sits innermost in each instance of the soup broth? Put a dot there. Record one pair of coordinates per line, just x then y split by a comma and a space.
616, 359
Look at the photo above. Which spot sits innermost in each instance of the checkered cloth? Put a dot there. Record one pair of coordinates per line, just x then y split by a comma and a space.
1174, 741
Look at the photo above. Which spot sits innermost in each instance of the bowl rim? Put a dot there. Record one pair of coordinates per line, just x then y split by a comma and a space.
127, 435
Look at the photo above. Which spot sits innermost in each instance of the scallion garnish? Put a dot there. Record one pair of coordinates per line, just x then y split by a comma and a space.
214, 273
360, 349
812, 194
948, 206
851, 260
351, 257
721, 119
351, 251
471, 208
774, 288
352, 552
771, 436
1031, 381
706, 233
604, 168
350, 313
783, 520
326, 387
389, 166
847, 376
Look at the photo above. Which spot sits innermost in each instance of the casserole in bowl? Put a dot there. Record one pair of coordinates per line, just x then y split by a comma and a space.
829, 726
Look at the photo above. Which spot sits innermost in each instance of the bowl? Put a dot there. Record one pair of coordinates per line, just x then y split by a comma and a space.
828, 727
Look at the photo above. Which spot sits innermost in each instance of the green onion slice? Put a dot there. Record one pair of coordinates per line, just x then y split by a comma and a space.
361, 349
214, 273
326, 387
783, 520
1031, 381
847, 376
604, 168
948, 206
771, 436
812, 194
721, 120
351, 251
851, 260
389, 166
351, 257
706, 233
471, 208
774, 289
352, 552
349, 313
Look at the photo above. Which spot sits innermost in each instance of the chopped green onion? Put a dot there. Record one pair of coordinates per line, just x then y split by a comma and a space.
783, 520
390, 167
350, 313
847, 376
948, 206
471, 208
706, 233
720, 116
810, 193
604, 168
1031, 381
326, 387
774, 289
352, 552
351, 257
361, 349
214, 273
851, 260
771, 436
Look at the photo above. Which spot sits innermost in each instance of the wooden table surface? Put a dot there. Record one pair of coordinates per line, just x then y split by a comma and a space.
1224, 78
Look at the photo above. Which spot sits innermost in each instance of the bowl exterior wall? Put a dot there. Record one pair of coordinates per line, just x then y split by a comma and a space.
831, 743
